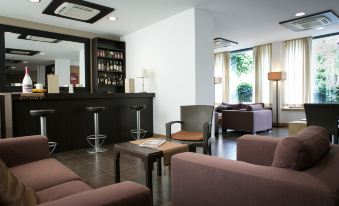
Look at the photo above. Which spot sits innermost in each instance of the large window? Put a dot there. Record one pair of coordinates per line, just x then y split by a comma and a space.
325, 70
242, 77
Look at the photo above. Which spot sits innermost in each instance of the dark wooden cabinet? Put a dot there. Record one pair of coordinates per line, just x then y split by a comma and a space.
109, 66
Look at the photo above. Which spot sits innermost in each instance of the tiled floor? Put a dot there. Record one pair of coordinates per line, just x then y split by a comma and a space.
98, 170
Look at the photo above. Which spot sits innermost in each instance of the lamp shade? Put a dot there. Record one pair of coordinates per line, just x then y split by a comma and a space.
217, 80
276, 76
143, 73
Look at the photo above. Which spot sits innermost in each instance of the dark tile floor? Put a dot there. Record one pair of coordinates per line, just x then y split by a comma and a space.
98, 170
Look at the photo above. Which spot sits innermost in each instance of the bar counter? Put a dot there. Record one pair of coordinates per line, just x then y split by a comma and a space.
71, 122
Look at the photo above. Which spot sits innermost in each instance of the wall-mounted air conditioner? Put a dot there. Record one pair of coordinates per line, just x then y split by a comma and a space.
312, 21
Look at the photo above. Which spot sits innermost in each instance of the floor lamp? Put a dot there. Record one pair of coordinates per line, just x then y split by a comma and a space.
276, 76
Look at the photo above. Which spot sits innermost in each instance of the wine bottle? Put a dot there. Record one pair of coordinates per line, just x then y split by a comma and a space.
27, 84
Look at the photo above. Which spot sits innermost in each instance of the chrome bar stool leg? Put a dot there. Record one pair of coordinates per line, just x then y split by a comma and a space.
138, 133
97, 138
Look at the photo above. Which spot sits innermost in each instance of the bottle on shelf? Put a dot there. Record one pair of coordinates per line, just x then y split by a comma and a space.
27, 84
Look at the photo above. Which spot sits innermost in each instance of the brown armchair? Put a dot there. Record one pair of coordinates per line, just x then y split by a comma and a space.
195, 123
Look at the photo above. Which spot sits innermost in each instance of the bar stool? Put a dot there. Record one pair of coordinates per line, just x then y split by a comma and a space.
43, 126
97, 137
138, 133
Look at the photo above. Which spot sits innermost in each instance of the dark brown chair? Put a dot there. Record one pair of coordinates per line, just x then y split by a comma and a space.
324, 115
195, 123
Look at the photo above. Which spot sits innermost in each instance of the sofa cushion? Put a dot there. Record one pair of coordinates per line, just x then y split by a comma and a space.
62, 190
12, 191
186, 135
222, 107
254, 107
42, 174
303, 150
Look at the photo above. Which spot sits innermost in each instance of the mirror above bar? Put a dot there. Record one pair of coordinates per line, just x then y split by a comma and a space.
43, 53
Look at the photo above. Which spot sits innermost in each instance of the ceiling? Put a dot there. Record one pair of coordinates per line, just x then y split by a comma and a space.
249, 22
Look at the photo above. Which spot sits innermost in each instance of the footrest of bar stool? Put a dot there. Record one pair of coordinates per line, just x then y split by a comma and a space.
101, 138
134, 133
52, 146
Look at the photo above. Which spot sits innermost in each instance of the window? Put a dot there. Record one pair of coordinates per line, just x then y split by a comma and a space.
325, 70
242, 77
219, 65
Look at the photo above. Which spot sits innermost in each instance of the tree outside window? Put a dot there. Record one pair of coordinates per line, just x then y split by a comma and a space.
242, 77
325, 70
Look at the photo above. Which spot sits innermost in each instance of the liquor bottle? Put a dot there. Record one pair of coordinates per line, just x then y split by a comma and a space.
27, 84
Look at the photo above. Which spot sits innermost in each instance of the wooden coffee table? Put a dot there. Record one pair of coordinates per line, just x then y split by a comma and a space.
149, 156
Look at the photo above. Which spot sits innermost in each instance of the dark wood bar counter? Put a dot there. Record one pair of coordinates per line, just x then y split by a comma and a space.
71, 123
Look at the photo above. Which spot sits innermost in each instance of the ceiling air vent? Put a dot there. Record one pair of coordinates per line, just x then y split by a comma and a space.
220, 43
77, 10
38, 38
311, 21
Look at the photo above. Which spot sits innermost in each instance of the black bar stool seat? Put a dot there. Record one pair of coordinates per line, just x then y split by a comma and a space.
41, 112
95, 109
138, 107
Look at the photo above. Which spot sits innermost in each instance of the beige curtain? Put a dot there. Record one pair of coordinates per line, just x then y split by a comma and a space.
262, 65
297, 65
223, 60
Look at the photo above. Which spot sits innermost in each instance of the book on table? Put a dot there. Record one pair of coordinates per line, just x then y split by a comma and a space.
153, 143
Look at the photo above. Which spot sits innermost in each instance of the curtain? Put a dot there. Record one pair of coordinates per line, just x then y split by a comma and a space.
297, 65
262, 65
222, 63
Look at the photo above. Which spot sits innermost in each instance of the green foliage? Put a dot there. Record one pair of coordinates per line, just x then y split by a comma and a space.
325, 93
245, 91
242, 62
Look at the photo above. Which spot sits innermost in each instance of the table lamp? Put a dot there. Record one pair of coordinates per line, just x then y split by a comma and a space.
143, 74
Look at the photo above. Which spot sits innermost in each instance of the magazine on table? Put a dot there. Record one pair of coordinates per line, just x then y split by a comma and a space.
153, 143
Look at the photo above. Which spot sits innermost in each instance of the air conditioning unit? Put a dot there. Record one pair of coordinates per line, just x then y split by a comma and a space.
38, 38
311, 21
76, 11
222, 43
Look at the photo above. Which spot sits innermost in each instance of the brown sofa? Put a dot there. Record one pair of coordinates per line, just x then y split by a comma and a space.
246, 117
268, 172
54, 184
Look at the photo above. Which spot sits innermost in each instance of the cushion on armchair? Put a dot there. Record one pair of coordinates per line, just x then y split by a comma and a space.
254, 107
13, 192
187, 135
303, 150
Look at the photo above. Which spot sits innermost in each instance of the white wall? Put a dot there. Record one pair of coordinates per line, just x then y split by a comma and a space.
204, 58
168, 50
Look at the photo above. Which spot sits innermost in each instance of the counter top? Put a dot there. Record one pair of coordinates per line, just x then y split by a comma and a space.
34, 96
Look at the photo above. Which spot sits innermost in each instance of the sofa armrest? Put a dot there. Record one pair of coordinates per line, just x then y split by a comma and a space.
20, 150
256, 149
204, 180
124, 194
169, 128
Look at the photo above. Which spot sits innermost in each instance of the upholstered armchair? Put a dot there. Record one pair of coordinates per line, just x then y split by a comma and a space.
195, 121
300, 170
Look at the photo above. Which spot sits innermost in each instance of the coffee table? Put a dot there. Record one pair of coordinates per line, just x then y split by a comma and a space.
148, 155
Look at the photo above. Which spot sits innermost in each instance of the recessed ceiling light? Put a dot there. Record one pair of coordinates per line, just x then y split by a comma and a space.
112, 18
300, 14
320, 28
25, 62
35, 1
42, 53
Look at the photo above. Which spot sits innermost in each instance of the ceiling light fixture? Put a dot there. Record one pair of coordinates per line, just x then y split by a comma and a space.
300, 14
35, 1
320, 28
42, 53
112, 18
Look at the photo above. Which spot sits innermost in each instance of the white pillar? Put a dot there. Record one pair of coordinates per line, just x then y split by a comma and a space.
82, 73
41, 74
63, 69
